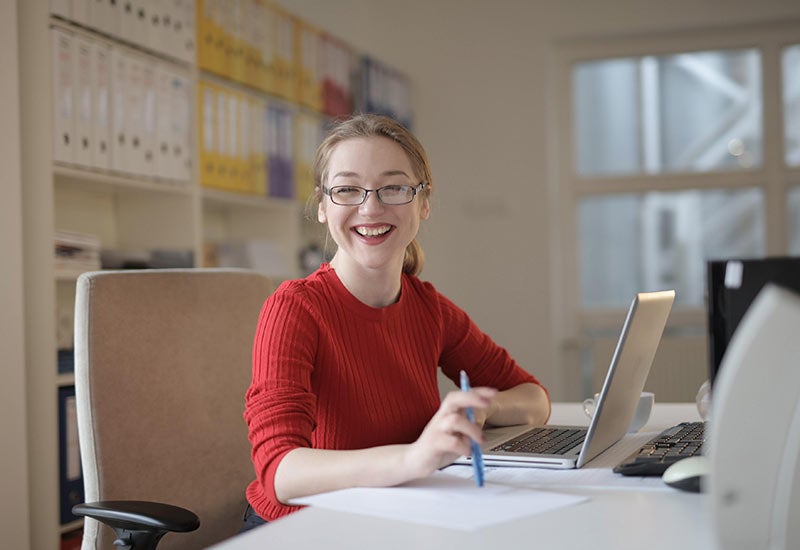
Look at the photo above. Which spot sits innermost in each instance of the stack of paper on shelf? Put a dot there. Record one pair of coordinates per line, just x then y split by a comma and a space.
76, 253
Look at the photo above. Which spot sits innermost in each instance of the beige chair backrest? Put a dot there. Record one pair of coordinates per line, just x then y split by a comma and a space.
162, 363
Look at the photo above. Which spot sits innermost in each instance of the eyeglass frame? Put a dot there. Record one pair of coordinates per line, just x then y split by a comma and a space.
414, 190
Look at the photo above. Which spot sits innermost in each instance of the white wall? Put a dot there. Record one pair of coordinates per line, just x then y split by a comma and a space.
480, 74
13, 458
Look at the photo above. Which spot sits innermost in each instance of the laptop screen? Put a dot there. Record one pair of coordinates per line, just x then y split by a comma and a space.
732, 287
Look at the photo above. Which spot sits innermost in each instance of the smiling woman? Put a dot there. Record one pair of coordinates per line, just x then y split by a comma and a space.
344, 390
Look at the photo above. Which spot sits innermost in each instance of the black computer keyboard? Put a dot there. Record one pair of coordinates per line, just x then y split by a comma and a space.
673, 444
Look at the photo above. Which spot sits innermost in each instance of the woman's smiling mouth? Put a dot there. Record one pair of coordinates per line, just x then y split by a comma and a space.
373, 231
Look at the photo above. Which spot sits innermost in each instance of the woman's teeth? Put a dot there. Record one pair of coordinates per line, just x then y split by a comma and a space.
372, 231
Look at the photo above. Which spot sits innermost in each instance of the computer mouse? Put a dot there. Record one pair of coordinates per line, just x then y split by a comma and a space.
687, 474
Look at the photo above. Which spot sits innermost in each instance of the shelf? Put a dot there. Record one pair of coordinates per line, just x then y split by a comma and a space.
227, 198
99, 181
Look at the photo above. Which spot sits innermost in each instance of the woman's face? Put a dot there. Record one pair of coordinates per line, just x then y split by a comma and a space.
372, 235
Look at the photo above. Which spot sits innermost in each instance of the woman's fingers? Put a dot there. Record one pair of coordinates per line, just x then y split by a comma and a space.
457, 424
458, 401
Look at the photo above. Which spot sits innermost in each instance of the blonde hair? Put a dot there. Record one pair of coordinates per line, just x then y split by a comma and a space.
367, 126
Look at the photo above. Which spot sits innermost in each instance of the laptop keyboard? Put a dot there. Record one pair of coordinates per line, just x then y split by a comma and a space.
673, 444
544, 441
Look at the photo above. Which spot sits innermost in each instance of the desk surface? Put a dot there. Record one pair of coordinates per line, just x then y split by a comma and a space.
613, 518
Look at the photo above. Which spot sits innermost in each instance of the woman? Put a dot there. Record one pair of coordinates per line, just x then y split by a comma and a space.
344, 390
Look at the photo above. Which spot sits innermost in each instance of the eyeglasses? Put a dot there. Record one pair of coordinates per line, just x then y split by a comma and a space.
353, 195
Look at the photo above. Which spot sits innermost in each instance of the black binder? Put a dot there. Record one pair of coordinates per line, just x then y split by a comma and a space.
69, 466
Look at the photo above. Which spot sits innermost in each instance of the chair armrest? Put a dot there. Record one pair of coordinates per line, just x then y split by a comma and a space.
139, 524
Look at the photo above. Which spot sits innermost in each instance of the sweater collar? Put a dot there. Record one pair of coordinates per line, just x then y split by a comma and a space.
328, 274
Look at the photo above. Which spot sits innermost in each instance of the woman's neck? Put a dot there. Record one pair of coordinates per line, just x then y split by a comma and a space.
373, 287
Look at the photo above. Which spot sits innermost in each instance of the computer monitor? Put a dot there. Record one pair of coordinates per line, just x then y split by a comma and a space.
732, 286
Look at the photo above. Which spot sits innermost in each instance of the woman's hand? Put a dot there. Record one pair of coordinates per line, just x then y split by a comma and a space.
447, 435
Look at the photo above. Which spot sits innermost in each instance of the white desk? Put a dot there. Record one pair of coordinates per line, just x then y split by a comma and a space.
618, 519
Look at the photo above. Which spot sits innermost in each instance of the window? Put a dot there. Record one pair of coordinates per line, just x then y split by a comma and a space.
691, 112
669, 154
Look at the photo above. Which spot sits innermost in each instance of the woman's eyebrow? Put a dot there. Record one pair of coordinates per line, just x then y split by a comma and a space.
348, 174
344, 175
394, 173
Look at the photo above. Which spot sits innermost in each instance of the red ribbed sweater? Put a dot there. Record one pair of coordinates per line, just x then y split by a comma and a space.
330, 372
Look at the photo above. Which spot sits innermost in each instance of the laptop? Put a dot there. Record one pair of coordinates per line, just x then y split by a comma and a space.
566, 447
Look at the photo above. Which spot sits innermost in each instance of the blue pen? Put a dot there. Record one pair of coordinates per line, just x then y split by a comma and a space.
477, 454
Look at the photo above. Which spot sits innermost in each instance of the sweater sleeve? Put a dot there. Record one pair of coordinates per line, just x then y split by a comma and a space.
279, 404
466, 347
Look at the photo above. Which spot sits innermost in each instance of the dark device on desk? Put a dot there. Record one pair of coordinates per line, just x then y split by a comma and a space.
732, 286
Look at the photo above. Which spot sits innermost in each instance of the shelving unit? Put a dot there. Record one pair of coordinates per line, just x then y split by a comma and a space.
124, 210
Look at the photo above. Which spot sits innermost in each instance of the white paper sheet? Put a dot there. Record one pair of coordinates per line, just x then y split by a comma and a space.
597, 473
444, 500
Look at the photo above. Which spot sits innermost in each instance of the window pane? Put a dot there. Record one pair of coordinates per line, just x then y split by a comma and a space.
655, 241
693, 112
791, 104
794, 221
606, 105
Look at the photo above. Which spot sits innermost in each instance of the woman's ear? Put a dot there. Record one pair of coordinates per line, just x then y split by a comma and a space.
425, 209
321, 217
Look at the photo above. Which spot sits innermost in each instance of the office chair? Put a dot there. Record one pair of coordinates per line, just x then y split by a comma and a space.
162, 363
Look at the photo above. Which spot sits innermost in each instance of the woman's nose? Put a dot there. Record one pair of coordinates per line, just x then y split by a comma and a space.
372, 202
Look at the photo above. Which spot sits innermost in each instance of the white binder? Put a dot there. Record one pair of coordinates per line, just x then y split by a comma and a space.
134, 113
120, 138
181, 120
101, 103
127, 20
163, 159
61, 8
81, 12
184, 26
63, 103
103, 16
82, 99
154, 25
146, 159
